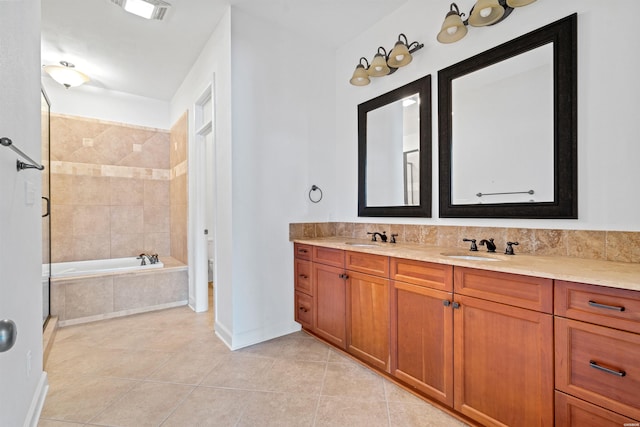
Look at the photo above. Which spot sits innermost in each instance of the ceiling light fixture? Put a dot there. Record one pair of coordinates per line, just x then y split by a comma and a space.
384, 64
483, 13
148, 9
66, 74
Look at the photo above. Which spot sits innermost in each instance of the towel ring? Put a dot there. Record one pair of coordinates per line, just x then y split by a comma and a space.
314, 188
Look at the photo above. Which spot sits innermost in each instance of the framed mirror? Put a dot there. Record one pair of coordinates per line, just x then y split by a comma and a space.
508, 129
394, 152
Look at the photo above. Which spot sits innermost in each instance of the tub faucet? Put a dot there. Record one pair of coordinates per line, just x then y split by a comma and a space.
491, 247
143, 260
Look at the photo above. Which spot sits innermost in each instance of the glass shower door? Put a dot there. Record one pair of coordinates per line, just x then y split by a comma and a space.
45, 108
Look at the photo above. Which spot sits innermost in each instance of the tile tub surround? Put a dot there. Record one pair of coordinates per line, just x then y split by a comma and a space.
109, 189
178, 188
618, 246
85, 299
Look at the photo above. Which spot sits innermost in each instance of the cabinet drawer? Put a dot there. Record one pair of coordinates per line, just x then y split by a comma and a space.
533, 293
572, 412
302, 251
598, 364
302, 272
304, 310
377, 265
617, 308
328, 256
436, 276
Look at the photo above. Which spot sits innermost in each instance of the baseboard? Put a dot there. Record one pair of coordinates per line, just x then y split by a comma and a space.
256, 336
35, 409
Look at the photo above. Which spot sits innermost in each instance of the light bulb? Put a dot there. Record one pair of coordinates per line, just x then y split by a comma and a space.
378, 68
399, 58
485, 12
452, 30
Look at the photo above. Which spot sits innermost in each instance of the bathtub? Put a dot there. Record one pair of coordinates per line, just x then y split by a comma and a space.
86, 291
96, 267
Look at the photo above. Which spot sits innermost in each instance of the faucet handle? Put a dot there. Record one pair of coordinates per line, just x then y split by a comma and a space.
373, 236
473, 247
393, 237
509, 250
383, 237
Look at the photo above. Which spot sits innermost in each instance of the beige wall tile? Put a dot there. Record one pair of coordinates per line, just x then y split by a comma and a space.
156, 192
309, 230
345, 229
127, 219
91, 220
296, 231
156, 219
623, 246
551, 242
412, 233
91, 247
61, 221
449, 236
325, 229
61, 189
586, 244
88, 297
525, 238
62, 248
127, 191
127, 245
159, 243
91, 190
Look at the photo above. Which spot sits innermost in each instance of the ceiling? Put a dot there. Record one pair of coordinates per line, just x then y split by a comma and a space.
123, 52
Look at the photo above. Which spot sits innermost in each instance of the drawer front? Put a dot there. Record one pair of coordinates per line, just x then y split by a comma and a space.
572, 412
376, 265
304, 310
436, 276
533, 293
617, 308
599, 364
302, 251
328, 256
302, 272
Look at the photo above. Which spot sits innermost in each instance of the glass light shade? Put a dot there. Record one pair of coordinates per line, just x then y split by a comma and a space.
378, 66
66, 75
453, 29
140, 8
519, 3
399, 56
486, 12
360, 76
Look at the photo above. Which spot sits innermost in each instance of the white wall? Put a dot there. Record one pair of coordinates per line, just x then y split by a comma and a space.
283, 142
102, 104
20, 221
608, 102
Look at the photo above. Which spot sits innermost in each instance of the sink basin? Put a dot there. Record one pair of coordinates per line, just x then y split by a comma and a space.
471, 257
361, 245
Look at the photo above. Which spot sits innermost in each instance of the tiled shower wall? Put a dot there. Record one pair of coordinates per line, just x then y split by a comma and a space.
178, 189
109, 189
619, 246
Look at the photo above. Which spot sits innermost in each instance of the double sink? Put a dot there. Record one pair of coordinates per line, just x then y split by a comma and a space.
456, 255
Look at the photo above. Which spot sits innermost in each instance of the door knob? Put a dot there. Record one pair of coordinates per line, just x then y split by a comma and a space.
8, 333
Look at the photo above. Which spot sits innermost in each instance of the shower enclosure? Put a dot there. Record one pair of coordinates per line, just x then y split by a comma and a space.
45, 108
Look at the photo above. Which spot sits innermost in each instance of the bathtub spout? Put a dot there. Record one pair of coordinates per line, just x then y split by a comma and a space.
143, 260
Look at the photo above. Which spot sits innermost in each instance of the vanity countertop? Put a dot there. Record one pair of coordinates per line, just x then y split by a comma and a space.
620, 275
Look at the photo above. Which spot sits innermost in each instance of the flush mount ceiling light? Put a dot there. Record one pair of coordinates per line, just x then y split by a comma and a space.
149, 9
66, 74
384, 64
483, 13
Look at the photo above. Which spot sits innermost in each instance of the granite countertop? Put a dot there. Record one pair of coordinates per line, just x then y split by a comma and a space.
620, 275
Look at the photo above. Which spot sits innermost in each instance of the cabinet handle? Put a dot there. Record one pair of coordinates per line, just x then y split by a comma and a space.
304, 276
303, 251
607, 370
446, 303
343, 276
456, 305
306, 310
608, 307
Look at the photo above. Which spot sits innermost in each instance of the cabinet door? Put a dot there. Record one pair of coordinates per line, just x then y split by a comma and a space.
304, 310
368, 319
302, 276
329, 290
572, 412
503, 363
422, 340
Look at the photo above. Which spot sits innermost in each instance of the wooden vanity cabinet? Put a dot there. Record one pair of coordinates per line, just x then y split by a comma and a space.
303, 286
598, 345
329, 292
503, 352
422, 327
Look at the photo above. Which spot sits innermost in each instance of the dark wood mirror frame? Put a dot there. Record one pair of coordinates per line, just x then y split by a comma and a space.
421, 86
563, 35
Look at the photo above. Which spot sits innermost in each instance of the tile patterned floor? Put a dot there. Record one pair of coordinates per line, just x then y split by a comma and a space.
167, 368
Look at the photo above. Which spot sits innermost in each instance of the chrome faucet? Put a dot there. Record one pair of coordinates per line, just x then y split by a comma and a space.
383, 236
152, 258
491, 247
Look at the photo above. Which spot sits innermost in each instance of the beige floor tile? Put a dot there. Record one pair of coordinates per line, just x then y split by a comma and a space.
240, 371
419, 415
303, 347
147, 404
394, 393
81, 398
354, 381
186, 368
51, 423
339, 412
295, 376
209, 407
278, 410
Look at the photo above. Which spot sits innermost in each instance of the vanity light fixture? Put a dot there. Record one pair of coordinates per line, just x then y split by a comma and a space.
384, 63
148, 9
66, 74
483, 13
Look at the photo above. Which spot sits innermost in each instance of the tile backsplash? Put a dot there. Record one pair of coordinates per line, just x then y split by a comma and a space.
619, 246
